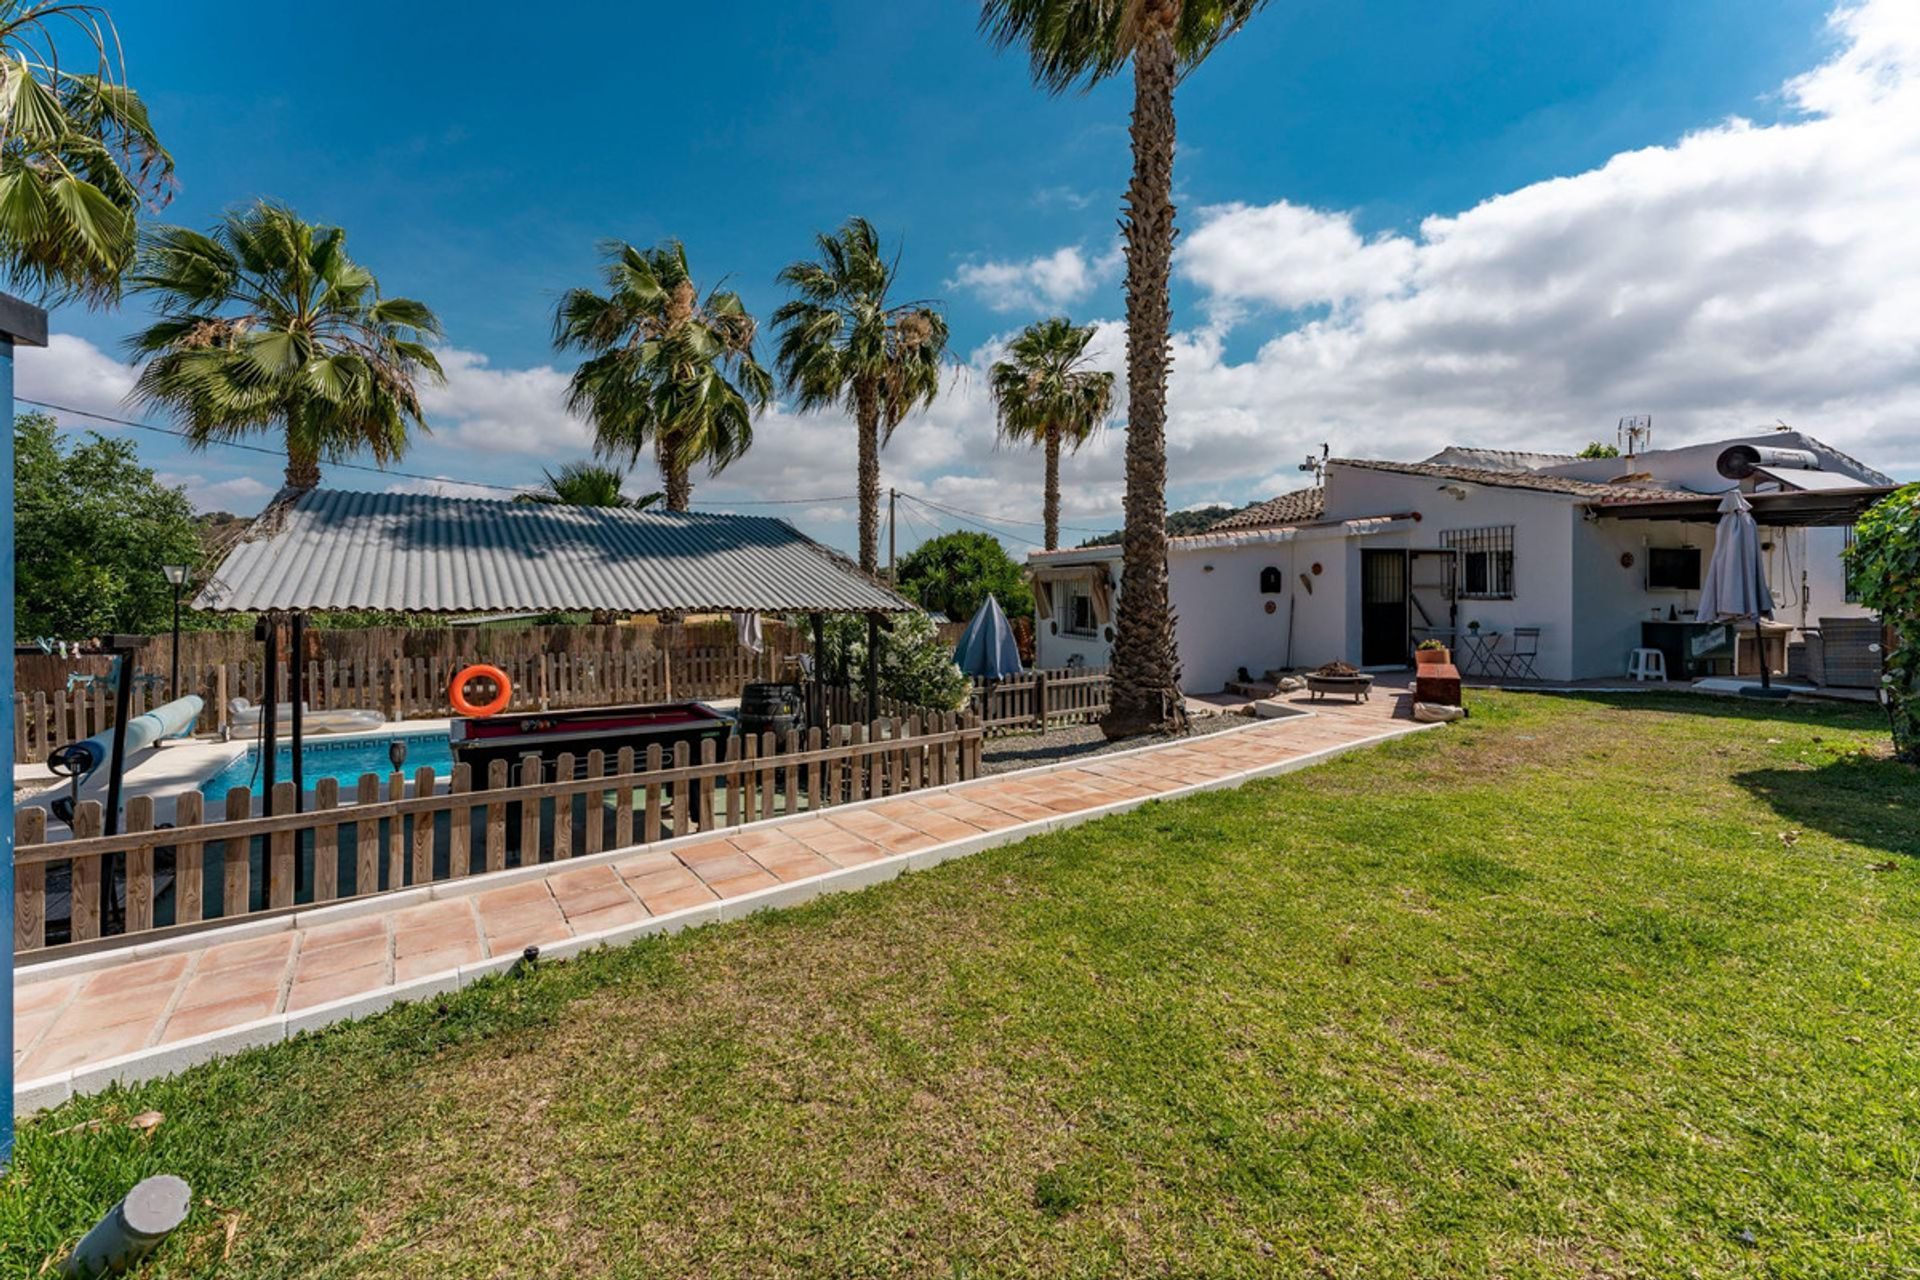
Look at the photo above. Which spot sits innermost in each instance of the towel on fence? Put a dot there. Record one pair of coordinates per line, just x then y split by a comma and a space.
746, 627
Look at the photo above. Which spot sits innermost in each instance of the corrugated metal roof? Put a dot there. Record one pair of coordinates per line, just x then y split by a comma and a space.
333, 549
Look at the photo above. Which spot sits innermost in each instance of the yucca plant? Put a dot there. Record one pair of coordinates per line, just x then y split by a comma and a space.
79, 159
844, 341
266, 325
1045, 395
1080, 43
664, 368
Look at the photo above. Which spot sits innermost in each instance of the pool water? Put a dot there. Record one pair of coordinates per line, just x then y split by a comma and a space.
344, 759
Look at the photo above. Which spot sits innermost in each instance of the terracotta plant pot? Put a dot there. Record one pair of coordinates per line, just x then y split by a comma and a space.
1432, 657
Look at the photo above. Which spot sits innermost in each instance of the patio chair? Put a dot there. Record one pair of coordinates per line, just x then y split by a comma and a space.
1518, 661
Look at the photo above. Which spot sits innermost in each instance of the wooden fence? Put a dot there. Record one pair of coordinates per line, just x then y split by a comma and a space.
401, 688
1039, 700
219, 861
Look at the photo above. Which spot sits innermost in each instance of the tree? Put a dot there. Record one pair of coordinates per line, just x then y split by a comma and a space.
79, 159
1082, 42
1045, 395
587, 484
916, 666
663, 368
1884, 565
266, 325
1595, 449
841, 341
954, 572
92, 529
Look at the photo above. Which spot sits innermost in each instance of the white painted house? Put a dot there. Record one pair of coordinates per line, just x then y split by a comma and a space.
1561, 556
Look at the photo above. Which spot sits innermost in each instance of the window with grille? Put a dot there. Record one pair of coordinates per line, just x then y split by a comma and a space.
1486, 561
1846, 563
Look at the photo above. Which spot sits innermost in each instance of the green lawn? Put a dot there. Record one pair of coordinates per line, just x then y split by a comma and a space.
1579, 988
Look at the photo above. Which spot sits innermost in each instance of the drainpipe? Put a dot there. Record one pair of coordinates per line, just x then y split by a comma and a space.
21, 324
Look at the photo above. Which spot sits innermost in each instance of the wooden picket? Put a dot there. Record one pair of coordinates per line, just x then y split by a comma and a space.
147, 877
1042, 699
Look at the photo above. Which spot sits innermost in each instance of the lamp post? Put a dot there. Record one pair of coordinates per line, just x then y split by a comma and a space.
177, 575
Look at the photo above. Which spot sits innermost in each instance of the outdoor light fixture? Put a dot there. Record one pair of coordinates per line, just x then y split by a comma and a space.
177, 575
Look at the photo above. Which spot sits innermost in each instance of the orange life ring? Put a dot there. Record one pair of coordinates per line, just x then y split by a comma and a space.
457, 691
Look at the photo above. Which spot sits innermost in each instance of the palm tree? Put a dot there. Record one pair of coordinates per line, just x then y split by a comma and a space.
586, 484
79, 159
1045, 395
1082, 42
663, 368
267, 325
842, 342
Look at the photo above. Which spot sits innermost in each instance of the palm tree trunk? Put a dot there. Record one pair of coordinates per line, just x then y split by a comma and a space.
1146, 667
1051, 514
867, 421
675, 478
303, 471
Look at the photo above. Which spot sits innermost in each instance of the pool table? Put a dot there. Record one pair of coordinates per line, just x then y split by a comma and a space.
477, 742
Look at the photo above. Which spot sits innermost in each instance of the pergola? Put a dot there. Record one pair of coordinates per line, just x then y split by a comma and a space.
1786, 509
322, 549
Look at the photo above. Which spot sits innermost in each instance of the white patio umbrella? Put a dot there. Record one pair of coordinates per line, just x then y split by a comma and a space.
1735, 587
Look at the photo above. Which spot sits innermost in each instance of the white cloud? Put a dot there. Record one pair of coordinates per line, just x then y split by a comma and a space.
1740, 275
1044, 283
1287, 255
72, 371
237, 493
503, 410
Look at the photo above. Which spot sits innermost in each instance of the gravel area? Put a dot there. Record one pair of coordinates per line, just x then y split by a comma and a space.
1026, 750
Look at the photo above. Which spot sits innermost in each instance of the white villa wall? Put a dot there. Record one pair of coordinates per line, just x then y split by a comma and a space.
1222, 623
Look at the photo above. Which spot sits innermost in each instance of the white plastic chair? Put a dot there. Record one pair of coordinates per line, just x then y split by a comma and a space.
1647, 665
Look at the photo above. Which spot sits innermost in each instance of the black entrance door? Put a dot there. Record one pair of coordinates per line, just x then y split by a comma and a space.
1383, 608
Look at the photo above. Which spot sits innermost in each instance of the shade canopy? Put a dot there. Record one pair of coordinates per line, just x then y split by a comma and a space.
1735, 585
416, 553
987, 650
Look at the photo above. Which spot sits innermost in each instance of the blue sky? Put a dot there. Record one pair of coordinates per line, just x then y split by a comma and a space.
476, 152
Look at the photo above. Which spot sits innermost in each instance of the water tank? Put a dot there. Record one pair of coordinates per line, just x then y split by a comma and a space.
1739, 461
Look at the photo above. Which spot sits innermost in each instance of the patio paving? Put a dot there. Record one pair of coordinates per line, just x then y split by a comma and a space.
149, 1010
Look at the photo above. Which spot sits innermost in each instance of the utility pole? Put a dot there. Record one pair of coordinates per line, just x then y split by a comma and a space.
893, 511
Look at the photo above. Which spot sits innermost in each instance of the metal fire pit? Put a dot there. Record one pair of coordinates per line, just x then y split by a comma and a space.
1359, 687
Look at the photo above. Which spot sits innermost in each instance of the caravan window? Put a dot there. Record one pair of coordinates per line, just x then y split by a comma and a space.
1486, 561
1079, 610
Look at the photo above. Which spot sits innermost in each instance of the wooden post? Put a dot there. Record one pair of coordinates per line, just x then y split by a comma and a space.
1040, 701
30, 883
326, 842
139, 877
366, 834
236, 859
189, 864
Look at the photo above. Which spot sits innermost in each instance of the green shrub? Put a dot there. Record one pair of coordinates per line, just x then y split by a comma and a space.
1884, 565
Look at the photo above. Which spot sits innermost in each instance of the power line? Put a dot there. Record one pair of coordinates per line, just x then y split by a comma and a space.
980, 515
178, 434
981, 526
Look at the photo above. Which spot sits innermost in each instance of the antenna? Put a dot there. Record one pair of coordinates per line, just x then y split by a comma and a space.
1634, 433
1318, 465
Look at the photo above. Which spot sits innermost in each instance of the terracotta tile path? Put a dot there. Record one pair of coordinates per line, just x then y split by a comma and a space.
134, 1014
